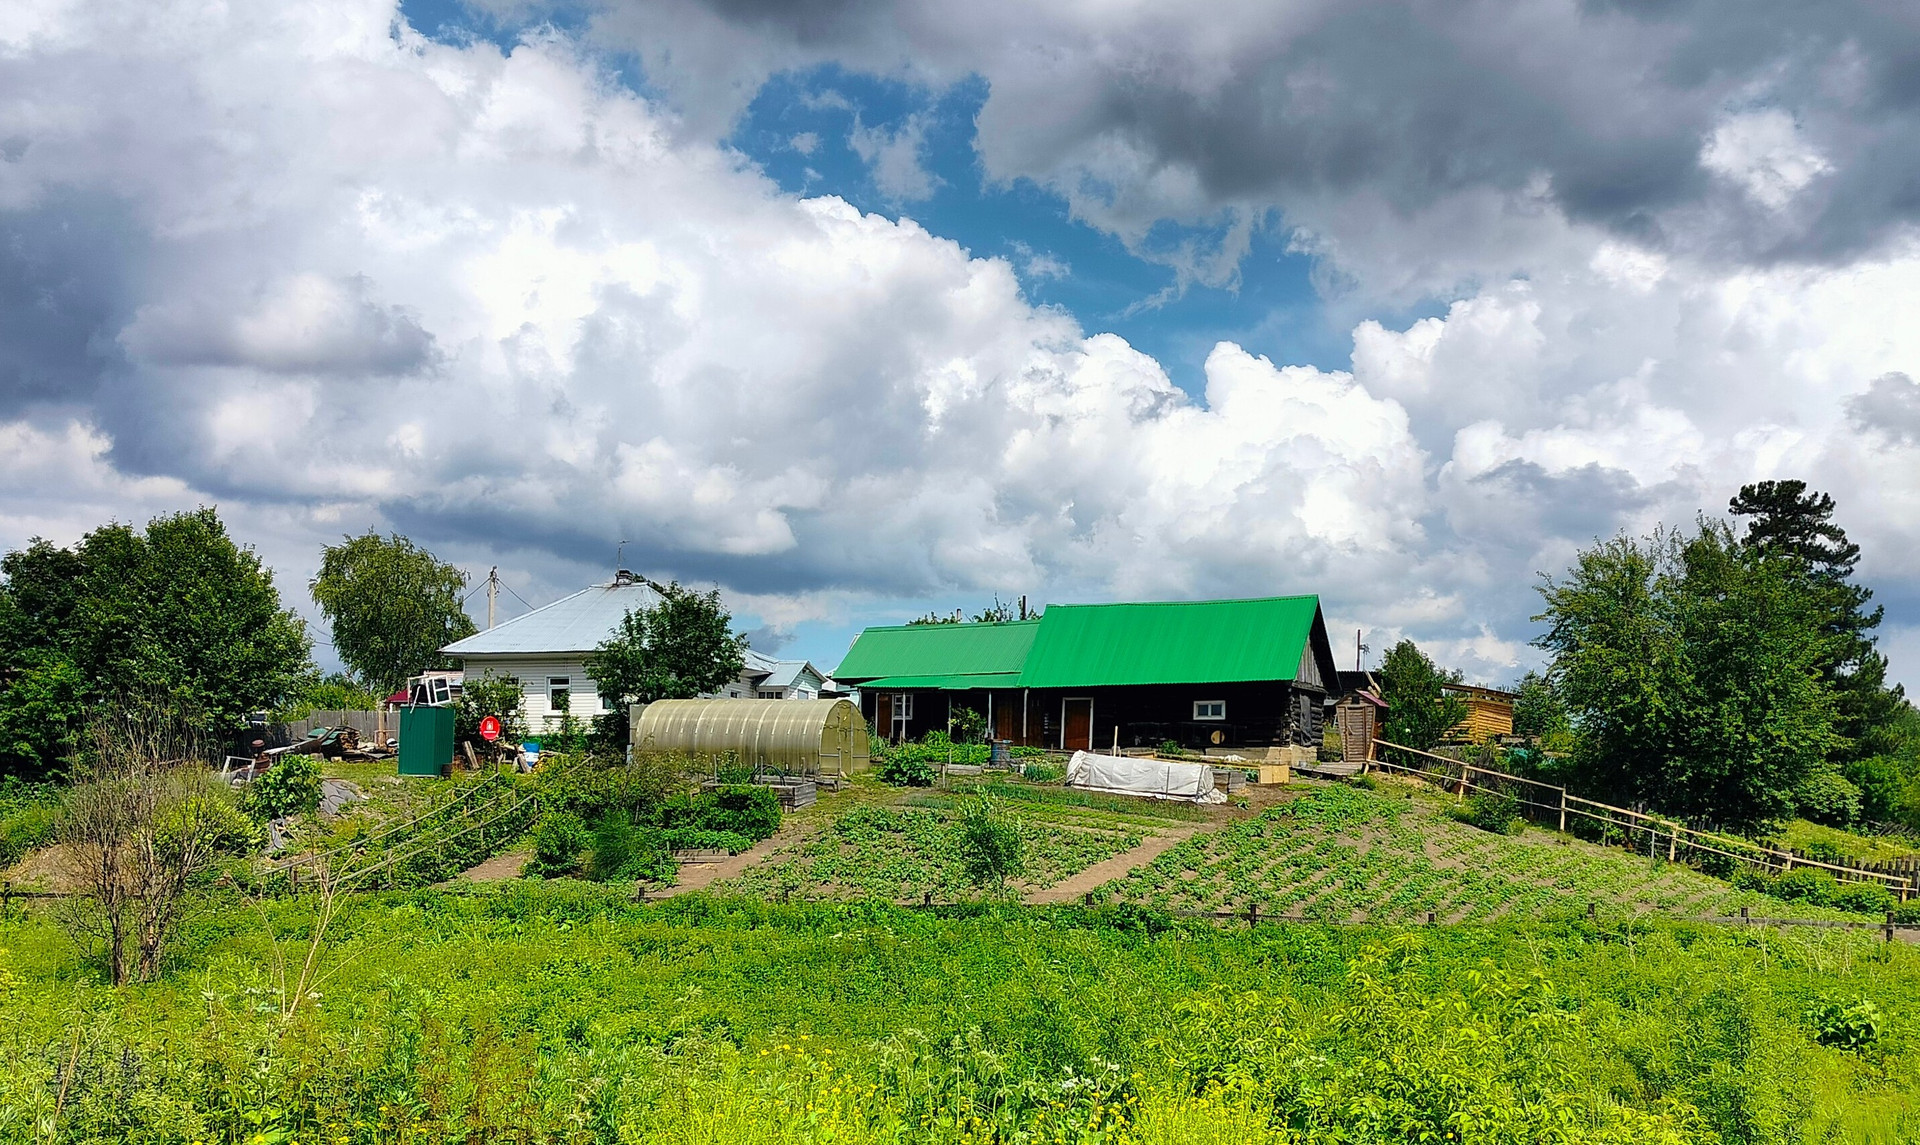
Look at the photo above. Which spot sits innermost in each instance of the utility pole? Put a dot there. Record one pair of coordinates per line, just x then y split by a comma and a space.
493, 591
1359, 650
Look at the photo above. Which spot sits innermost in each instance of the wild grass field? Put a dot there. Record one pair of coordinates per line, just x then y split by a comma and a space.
565, 1012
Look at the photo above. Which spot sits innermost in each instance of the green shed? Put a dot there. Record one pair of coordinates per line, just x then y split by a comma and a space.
426, 740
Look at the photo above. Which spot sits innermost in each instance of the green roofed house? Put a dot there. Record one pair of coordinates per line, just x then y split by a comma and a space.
1206, 673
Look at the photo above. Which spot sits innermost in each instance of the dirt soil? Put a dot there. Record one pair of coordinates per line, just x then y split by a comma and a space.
497, 869
699, 876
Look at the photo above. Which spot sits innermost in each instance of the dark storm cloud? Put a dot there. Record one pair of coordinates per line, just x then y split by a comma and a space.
1410, 100
1891, 405
62, 291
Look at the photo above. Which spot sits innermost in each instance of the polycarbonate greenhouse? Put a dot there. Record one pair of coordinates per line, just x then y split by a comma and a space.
798, 737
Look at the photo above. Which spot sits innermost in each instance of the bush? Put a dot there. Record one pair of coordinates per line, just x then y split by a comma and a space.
1830, 798
701, 839
1490, 811
625, 853
1867, 898
1366, 781
992, 846
1907, 913
1806, 885
1845, 1027
905, 769
558, 840
23, 829
290, 787
751, 811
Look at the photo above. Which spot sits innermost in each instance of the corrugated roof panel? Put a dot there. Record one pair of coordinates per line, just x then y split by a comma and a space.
577, 623
945, 683
937, 650
1187, 642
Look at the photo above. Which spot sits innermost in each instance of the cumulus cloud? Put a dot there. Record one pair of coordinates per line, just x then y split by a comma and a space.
298, 260
1612, 114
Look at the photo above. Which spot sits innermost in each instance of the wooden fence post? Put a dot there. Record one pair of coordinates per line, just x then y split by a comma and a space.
1430, 917
1253, 913
1563, 810
1889, 930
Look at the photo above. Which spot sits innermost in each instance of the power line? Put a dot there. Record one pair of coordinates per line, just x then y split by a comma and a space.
516, 596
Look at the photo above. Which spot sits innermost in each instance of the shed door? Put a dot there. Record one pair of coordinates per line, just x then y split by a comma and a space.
1077, 725
1004, 721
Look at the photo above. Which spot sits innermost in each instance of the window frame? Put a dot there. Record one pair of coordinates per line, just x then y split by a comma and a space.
903, 706
1210, 704
557, 685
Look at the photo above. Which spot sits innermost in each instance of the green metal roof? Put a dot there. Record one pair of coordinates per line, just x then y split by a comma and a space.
945, 683
1193, 642
940, 650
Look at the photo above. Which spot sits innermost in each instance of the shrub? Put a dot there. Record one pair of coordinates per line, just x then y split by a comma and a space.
1806, 885
905, 769
1846, 1027
1490, 811
1828, 797
1365, 781
558, 840
622, 852
1867, 898
1907, 913
749, 810
24, 828
992, 847
290, 787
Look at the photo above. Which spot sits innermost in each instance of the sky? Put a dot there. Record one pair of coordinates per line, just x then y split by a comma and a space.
858, 310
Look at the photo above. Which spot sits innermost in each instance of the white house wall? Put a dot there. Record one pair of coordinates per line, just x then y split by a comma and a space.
533, 672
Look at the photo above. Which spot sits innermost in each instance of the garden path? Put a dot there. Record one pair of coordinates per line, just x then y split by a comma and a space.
1107, 870
698, 876
497, 869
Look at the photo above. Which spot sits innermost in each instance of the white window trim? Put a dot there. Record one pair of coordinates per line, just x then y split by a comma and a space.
1200, 704
903, 705
557, 684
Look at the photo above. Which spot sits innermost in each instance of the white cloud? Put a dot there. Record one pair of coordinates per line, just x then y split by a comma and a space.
1765, 154
894, 155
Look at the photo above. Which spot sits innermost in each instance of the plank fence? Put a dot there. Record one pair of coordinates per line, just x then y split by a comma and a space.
1550, 804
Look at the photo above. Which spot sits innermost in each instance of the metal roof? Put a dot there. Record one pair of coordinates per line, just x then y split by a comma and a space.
786, 673
937, 650
1180, 642
945, 683
1091, 645
576, 623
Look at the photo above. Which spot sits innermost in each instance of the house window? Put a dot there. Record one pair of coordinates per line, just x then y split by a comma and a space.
1209, 709
557, 697
903, 706
769, 693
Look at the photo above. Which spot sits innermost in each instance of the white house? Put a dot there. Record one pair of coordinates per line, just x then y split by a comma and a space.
547, 650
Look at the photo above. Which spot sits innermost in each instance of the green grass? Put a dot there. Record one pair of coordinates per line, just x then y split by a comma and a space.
1345, 854
566, 1013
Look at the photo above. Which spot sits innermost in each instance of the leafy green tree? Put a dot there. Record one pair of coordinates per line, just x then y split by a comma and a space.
177, 609
392, 605
1788, 521
1691, 667
1538, 711
678, 648
488, 695
1419, 711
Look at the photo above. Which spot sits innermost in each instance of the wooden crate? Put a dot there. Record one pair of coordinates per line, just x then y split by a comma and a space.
1276, 773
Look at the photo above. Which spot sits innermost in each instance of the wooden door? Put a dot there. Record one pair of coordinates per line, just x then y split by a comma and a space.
1077, 725
1004, 721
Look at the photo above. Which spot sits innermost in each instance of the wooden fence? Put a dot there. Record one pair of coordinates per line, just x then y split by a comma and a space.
1550, 803
374, 727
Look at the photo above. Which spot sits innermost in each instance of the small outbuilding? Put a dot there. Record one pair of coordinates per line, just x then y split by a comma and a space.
797, 737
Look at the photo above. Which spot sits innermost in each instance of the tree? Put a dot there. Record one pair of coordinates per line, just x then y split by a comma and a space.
679, 648
1538, 712
392, 605
488, 695
1419, 711
1789, 522
178, 607
1690, 667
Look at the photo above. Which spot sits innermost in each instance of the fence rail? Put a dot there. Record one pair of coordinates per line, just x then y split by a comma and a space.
1459, 777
